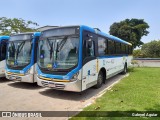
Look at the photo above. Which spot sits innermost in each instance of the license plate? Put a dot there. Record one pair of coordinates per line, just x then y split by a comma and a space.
51, 85
12, 78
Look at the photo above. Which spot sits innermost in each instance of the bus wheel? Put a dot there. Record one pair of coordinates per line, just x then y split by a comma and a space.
99, 80
125, 69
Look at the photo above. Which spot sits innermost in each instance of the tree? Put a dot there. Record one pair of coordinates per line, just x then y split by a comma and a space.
131, 30
16, 25
151, 49
137, 53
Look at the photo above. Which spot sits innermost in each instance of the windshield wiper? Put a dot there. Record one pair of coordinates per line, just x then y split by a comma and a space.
62, 43
19, 50
12, 47
51, 47
55, 47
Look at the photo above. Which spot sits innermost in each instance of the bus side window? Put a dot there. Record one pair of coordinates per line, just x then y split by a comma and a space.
118, 48
127, 49
102, 46
123, 48
90, 48
130, 50
111, 47
3, 50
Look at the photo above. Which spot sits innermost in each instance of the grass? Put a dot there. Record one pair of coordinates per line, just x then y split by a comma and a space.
140, 91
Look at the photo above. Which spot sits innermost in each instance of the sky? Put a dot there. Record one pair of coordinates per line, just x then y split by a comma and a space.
94, 13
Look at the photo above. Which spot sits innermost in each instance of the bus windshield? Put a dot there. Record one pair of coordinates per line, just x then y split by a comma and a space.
19, 53
58, 52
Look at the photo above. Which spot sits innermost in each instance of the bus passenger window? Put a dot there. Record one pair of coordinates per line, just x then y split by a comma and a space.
130, 50
111, 47
90, 48
3, 51
118, 48
102, 46
123, 48
127, 49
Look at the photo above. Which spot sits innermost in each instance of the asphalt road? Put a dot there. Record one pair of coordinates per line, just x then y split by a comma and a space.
18, 96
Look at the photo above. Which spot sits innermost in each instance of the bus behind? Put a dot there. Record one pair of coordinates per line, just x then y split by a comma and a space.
21, 57
3, 46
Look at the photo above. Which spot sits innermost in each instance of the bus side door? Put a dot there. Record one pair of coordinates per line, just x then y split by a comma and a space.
89, 74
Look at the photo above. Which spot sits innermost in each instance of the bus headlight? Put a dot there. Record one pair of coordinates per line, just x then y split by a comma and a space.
75, 77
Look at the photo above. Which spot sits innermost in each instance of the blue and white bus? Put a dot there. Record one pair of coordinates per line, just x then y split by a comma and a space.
3, 46
21, 57
74, 58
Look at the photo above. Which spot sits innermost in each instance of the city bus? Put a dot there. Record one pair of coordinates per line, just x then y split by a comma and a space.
75, 58
21, 57
3, 45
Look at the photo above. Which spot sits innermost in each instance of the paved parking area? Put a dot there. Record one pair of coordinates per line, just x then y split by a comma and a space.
18, 96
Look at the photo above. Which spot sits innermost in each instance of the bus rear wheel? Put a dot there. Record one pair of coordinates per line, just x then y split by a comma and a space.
99, 80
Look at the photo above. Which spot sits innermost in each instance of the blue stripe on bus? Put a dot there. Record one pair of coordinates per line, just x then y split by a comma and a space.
106, 35
101, 57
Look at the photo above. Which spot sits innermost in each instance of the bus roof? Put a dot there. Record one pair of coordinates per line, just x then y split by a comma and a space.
34, 33
4, 37
104, 34
24, 36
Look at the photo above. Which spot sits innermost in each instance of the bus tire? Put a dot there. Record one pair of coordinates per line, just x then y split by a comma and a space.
125, 69
99, 80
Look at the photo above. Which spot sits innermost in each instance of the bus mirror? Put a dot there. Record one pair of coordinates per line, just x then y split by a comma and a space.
90, 36
89, 43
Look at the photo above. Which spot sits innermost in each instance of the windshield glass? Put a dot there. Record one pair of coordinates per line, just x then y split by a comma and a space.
19, 53
58, 52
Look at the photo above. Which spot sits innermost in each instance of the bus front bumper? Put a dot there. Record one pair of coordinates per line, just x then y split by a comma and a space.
75, 86
29, 78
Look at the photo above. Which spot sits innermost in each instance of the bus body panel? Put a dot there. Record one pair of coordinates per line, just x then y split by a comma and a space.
71, 86
16, 75
89, 75
113, 65
75, 86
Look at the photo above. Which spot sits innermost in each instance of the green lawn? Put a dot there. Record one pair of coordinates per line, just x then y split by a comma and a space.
140, 91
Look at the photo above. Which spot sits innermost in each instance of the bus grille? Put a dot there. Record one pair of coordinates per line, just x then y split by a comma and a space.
53, 85
59, 86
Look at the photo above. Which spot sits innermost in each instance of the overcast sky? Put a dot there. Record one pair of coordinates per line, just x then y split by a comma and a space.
94, 13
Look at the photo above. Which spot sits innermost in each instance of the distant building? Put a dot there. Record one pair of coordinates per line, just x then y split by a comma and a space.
45, 27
